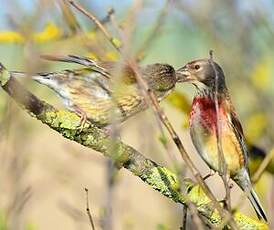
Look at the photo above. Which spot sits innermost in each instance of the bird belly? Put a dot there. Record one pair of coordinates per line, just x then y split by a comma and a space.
204, 138
106, 110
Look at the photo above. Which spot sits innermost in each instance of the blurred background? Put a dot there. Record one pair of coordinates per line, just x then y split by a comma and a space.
43, 175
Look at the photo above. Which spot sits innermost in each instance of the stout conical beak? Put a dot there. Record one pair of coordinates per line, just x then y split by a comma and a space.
183, 74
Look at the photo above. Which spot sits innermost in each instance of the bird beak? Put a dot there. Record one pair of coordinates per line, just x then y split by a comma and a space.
183, 75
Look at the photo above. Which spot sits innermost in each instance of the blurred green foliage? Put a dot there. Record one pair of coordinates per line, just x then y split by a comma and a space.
3, 223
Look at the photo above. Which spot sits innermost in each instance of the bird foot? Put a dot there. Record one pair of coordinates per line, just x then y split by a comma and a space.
223, 201
230, 184
83, 118
210, 174
112, 130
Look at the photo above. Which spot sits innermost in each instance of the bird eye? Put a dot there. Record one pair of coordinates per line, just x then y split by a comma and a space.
197, 67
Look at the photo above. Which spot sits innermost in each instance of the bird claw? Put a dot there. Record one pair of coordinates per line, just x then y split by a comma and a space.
230, 184
210, 174
112, 130
223, 201
108, 130
83, 120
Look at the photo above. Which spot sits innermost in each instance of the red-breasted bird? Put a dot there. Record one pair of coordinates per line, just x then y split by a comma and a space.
203, 125
104, 92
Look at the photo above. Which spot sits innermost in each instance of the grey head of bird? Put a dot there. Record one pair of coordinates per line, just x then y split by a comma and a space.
202, 73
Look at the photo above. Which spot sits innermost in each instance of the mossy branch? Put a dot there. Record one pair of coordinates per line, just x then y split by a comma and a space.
156, 176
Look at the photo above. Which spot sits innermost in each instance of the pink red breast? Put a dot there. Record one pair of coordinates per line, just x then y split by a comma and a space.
203, 111
203, 126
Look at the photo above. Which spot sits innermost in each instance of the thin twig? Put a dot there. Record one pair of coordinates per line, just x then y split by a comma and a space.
196, 219
183, 227
221, 157
107, 18
88, 210
154, 33
222, 165
195, 216
262, 167
147, 91
97, 23
69, 17
107, 218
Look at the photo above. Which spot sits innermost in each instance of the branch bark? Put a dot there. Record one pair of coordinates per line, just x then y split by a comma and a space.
158, 177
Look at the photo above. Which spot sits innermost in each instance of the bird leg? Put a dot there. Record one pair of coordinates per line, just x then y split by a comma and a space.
112, 130
230, 183
210, 174
83, 116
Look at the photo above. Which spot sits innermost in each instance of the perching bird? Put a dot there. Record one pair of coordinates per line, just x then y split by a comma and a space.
203, 125
104, 92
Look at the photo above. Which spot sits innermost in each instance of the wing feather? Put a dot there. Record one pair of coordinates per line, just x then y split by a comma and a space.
238, 130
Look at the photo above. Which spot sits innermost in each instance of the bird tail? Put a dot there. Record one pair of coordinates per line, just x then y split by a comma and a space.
243, 180
37, 77
17, 74
42, 78
252, 196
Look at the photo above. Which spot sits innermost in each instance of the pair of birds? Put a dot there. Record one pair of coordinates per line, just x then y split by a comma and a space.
102, 92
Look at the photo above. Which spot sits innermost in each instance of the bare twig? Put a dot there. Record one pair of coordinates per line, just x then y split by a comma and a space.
97, 23
107, 218
183, 227
262, 167
154, 33
221, 157
197, 220
107, 18
222, 165
88, 211
70, 17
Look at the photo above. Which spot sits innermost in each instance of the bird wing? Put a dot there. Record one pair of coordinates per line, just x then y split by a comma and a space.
238, 130
106, 68
78, 60
243, 178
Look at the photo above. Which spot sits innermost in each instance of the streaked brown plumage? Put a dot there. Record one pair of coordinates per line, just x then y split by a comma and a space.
104, 92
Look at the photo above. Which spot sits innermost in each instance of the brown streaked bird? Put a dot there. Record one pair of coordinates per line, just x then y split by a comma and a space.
203, 125
102, 92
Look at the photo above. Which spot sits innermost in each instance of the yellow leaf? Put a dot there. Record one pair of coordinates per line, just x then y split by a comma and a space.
50, 32
185, 124
261, 74
179, 101
11, 36
92, 56
90, 35
116, 42
255, 126
111, 56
